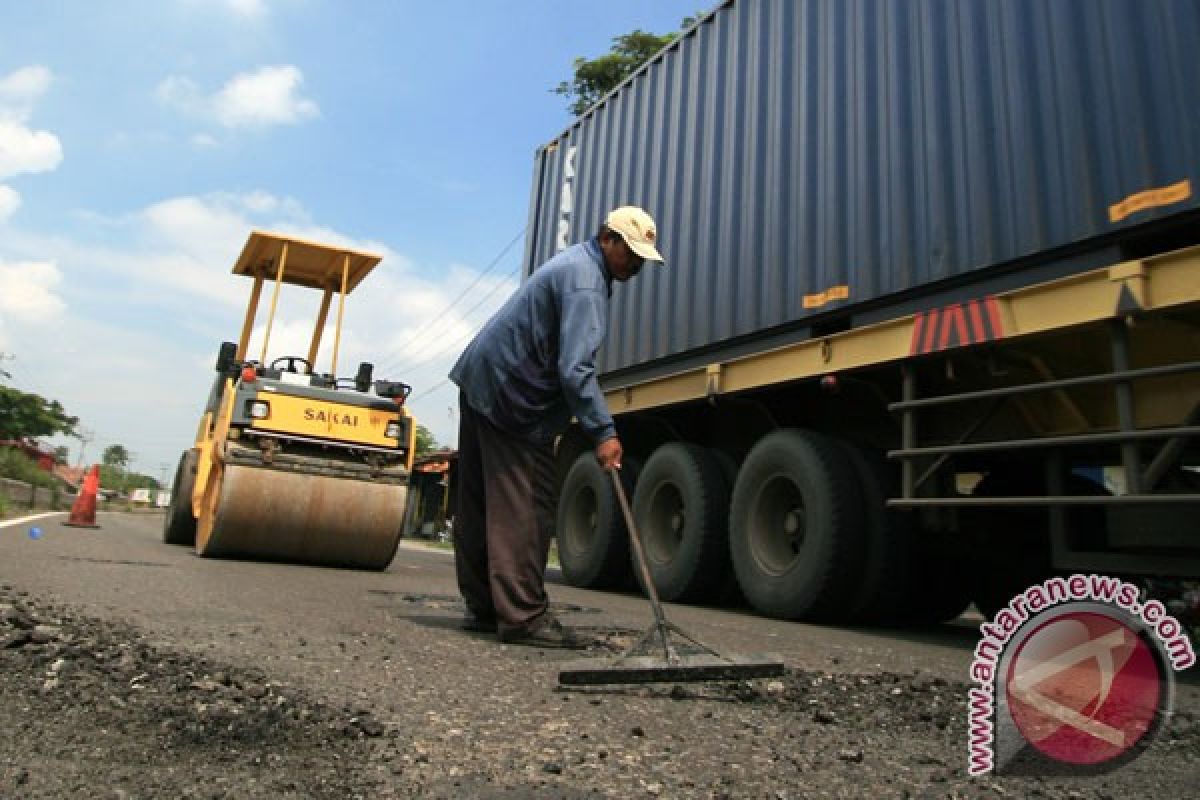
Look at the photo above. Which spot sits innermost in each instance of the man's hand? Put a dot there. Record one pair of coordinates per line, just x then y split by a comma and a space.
608, 453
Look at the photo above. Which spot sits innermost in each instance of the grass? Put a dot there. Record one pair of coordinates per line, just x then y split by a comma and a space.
17, 466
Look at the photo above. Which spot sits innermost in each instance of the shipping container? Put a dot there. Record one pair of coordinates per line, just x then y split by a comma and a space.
929, 327
820, 163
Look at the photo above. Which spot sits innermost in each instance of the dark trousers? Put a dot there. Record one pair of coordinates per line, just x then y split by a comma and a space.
505, 521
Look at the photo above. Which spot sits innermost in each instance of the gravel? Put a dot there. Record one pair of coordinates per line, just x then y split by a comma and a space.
91, 709
95, 707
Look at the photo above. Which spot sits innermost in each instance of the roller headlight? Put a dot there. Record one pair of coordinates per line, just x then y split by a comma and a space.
259, 409
393, 430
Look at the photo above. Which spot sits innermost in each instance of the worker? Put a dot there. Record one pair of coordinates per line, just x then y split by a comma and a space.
526, 373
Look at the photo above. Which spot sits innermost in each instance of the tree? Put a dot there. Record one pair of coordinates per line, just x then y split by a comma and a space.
28, 416
118, 480
19, 467
425, 441
115, 455
597, 77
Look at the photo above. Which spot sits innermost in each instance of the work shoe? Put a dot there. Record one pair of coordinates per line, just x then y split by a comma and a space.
478, 623
544, 631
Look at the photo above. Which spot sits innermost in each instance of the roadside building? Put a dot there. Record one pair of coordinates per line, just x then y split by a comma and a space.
432, 490
39, 455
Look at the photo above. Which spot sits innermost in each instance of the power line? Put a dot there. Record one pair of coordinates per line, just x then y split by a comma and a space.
449, 306
429, 391
422, 361
85, 435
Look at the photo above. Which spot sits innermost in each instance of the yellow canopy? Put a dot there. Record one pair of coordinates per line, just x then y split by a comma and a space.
310, 264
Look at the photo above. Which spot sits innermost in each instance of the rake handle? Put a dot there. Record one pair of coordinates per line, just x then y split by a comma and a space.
635, 539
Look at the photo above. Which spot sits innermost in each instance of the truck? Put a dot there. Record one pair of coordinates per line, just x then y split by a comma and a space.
290, 463
929, 326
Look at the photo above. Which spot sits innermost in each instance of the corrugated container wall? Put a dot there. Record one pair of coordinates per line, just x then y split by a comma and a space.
788, 147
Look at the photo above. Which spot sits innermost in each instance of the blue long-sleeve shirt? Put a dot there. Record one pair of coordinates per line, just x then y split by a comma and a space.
532, 366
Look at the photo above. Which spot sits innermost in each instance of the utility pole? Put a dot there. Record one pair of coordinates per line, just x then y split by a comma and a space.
125, 470
85, 438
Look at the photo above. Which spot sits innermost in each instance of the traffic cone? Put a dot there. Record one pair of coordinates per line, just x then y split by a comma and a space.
83, 513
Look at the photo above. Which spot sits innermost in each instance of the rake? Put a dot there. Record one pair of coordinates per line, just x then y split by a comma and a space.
654, 658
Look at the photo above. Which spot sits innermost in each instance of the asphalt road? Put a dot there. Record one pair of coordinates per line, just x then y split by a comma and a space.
123, 570
466, 715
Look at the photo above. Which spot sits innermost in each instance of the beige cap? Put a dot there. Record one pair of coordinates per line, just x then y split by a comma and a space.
637, 229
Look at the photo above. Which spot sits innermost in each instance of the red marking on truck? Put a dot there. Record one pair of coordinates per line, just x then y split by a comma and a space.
993, 310
956, 325
953, 322
977, 322
930, 330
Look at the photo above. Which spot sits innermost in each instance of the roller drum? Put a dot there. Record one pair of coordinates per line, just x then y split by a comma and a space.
264, 513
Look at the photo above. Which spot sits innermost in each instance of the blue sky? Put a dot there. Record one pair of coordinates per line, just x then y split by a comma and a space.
141, 142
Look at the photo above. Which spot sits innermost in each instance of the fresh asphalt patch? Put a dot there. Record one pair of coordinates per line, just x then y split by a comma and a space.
92, 709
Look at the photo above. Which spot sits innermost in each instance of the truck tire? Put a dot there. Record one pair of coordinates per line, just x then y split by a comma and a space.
796, 526
593, 544
887, 543
179, 526
681, 508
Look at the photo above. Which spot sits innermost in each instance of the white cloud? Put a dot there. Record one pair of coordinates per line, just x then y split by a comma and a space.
246, 9
204, 141
180, 92
23, 150
268, 96
172, 260
291, 337
27, 290
10, 201
19, 89
403, 320
250, 9
261, 202
194, 226
156, 425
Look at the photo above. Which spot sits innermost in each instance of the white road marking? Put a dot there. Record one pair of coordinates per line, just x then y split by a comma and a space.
8, 523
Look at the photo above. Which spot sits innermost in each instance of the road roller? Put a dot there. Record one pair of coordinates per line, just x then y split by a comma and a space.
290, 463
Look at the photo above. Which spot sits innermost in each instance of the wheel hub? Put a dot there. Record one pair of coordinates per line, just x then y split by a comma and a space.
665, 524
778, 525
581, 524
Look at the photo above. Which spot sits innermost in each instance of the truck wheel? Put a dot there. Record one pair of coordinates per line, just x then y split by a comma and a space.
796, 526
593, 545
887, 534
179, 526
682, 508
